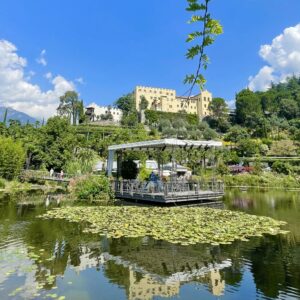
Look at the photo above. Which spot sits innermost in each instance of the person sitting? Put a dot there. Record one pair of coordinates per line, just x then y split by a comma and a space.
153, 177
152, 181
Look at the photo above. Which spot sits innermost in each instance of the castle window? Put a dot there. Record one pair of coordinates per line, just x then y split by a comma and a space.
170, 106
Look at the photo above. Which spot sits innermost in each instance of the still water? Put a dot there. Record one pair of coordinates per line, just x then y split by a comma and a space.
52, 259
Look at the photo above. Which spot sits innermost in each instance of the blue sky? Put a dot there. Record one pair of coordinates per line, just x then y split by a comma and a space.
105, 48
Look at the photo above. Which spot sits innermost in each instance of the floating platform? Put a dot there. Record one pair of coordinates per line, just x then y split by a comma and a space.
167, 193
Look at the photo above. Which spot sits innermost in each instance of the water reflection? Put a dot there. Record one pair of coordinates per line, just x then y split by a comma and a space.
52, 257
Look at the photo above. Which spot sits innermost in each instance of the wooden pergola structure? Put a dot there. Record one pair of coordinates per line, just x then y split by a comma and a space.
164, 192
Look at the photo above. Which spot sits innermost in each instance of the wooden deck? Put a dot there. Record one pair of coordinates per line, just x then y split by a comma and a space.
166, 193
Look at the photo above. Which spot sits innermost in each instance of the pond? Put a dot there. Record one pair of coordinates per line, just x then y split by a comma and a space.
53, 259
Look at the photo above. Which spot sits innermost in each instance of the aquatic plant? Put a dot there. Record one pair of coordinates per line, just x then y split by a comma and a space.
91, 188
182, 225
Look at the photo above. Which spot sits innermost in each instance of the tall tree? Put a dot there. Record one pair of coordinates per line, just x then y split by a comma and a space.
288, 109
82, 115
70, 106
12, 158
58, 143
247, 103
219, 116
5, 117
218, 108
126, 103
144, 103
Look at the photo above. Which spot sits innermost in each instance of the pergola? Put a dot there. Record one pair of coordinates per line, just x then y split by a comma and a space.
163, 144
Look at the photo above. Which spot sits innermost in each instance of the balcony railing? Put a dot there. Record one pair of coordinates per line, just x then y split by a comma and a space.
167, 188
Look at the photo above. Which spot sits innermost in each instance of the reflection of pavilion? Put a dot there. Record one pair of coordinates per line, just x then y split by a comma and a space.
142, 284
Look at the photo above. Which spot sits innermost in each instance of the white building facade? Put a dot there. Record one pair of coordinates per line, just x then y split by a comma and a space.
99, 113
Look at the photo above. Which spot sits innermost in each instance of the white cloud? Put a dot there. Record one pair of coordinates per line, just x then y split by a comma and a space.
29, 75
48, 75
79, 80
282, 58
41, 59
261, 81
17, 92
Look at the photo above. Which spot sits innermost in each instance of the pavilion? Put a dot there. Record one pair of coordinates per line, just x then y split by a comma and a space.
164, 192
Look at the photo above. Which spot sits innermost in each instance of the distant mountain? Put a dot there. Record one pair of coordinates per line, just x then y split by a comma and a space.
16, 115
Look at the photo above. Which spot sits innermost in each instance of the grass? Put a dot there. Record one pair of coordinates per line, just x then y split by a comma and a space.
265, 180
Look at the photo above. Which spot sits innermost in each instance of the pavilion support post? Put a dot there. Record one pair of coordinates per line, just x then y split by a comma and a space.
119, 163
110, 161
204, 161
159, 163
174, 167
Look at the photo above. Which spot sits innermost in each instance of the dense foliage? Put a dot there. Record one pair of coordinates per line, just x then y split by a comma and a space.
267, 180
129, 169
12, 158
61, 146
264, 125
179, 125
92, 188
154, 117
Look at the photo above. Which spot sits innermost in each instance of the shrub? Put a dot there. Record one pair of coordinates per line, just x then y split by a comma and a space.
222, 169
266, 180
129, 169
281, 167
12, 158
209, 134
283, 148
92, 188
257, 167
2, 183
263, 149
247, 147
153, 117
83, 162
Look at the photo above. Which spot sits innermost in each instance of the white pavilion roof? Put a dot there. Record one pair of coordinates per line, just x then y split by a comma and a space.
165, 143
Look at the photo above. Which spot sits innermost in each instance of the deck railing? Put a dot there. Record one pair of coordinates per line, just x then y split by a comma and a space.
172, 187
45, 175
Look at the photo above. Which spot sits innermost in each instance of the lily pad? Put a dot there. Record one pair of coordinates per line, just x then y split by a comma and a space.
183, 225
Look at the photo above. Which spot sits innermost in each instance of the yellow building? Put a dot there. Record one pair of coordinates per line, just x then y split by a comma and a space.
166, 100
